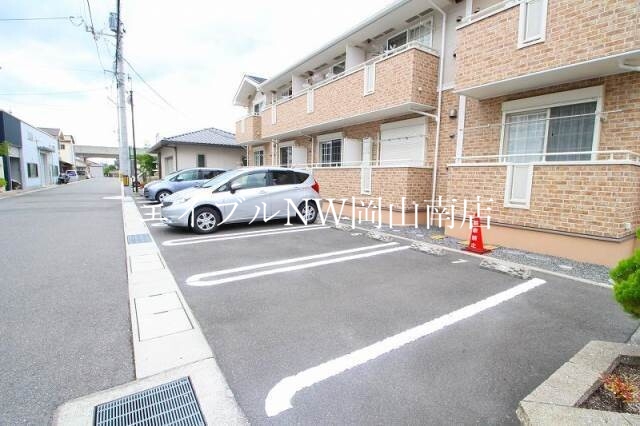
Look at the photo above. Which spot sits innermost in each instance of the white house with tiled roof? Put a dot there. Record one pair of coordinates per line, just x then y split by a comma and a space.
209, 147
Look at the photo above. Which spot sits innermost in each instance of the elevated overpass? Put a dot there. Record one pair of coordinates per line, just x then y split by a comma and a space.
95, 151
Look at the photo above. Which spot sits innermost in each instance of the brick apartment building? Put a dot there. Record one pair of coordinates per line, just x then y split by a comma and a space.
532, 104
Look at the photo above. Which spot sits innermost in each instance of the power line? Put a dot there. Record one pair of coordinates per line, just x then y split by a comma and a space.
149, 86
69, 92
93, 33
40, 18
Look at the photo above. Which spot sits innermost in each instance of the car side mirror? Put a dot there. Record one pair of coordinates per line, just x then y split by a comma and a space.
198, 185
235, 186
178, 179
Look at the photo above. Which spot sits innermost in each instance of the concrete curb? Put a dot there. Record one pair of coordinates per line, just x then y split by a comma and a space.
427, 248
513, 270
479, 256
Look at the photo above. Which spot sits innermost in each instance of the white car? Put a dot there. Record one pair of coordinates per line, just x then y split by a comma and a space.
73, 175
242, 194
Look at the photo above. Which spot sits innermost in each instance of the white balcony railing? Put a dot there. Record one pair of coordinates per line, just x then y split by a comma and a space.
360, 164
551, 158
380, 57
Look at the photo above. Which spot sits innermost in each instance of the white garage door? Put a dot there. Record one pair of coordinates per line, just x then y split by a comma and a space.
402, 143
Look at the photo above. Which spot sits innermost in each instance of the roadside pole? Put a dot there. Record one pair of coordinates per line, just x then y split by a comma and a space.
122, 107
133, 138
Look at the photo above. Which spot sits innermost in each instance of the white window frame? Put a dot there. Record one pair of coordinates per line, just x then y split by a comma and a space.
522, 25
423, 21
289, 145
257, 151
570, 97
344, 66
330, 137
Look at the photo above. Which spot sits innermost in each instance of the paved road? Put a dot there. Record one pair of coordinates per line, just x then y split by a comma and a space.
264, 327
64, 317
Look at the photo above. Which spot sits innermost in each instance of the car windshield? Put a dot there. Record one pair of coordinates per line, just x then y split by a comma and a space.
170, 175
221, 178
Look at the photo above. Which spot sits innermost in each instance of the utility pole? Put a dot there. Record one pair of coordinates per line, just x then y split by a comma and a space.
133, 137
122, 102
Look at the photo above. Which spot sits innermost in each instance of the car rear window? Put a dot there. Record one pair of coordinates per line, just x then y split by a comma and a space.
301, 177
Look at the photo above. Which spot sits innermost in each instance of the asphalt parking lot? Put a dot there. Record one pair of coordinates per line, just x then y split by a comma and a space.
313, 325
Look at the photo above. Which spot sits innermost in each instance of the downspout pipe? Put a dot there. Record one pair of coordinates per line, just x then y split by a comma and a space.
434, 178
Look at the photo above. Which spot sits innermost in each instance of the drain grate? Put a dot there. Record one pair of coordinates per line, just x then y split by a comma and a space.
172, 403
138, 238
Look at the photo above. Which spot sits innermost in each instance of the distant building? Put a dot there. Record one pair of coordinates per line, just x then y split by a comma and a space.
203, 148
66, 144
33, 158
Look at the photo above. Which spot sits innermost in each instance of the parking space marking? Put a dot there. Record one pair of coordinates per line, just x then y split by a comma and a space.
459, 261
295, 267
279, 397
241, 235
200, 277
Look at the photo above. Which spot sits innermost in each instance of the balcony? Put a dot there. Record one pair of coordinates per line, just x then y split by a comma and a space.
398, 82
595, 194
578, 40
248, 129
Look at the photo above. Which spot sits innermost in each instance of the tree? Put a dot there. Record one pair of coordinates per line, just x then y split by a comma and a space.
146, 164
108, 169
4, 149
626, 277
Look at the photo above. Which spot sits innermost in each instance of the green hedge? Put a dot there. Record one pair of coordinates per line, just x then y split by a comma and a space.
626, 289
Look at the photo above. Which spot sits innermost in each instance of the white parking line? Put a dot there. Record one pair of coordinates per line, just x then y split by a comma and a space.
279, 397
240, 235
459, 261
200, 277
294, 267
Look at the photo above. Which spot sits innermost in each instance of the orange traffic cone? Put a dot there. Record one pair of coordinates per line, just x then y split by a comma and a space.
476, 245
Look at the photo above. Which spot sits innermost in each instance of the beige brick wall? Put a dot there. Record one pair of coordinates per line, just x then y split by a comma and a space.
410, 76
620, 130
594, 200
389, 183
252, 129
577, 31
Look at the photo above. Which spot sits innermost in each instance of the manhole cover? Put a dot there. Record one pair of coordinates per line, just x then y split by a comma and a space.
138, 238
172, 403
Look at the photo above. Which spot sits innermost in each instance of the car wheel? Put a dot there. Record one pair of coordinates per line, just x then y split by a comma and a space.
205, 220
309, 211
161, 195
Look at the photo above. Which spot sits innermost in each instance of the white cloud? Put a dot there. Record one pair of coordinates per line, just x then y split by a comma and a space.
193, 53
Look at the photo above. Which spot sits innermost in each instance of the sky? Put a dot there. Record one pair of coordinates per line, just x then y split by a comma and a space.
193, 53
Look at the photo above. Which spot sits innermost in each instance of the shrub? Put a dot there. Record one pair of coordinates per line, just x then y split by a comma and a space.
3, 183
626, 276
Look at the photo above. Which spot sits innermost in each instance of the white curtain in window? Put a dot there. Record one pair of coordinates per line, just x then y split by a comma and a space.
571, 129
524, 134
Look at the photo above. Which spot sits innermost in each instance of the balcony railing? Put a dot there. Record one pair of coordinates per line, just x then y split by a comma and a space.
361, 164
248, 129
551, 158
492, 47
341, 96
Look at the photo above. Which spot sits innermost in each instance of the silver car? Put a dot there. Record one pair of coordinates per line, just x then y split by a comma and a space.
177, 181
242, 195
